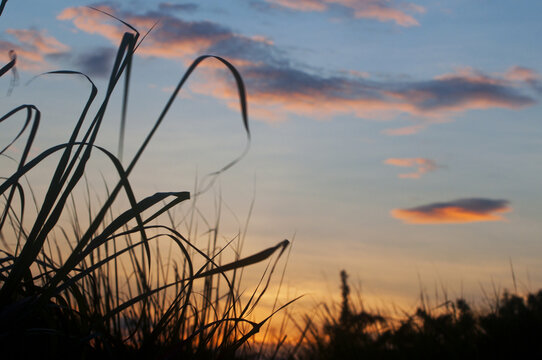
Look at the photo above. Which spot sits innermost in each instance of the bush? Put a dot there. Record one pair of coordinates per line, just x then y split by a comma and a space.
512, 328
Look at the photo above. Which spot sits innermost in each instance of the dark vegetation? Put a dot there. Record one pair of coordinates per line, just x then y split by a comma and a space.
511, 328
101, 285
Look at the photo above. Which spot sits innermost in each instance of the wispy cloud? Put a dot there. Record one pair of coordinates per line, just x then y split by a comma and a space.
523, 74
301, 5
173, 39
422, 165
277, 87
32, 47
382, 10
184, 7
454, 212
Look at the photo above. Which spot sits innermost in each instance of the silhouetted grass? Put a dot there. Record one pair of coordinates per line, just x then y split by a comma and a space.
511, 328
103, 289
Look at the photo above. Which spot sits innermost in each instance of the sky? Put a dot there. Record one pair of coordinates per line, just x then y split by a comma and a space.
399, 141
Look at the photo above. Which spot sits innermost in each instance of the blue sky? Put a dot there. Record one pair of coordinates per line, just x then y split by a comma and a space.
397, 140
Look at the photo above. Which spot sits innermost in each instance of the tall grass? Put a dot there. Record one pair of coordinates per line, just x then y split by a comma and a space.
113, 292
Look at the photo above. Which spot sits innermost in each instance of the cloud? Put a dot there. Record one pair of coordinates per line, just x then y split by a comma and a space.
422, 165
31, 47
173, 38
518, 73
301, 5
406, 130
523, 74
96, 63
458, 92
430, 101
275, 86
93, 22
380, 10
187, 7
454, 212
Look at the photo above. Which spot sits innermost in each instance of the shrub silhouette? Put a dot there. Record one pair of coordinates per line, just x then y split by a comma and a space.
512, 328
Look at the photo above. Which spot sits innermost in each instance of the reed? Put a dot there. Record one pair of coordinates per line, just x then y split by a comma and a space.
102, 286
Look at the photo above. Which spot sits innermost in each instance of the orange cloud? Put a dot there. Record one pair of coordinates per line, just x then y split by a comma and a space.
519, 73
383, 13
406, 130
93, 22
302, 5
31, 47
381, 10
423, 166
454, 212
173, 38
515, 73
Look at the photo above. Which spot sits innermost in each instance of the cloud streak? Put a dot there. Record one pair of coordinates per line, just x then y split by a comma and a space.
277, 89
454, 212
32, 47
380, 10
186, 7
422, 165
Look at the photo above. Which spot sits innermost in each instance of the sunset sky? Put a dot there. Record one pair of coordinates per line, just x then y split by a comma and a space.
400, 141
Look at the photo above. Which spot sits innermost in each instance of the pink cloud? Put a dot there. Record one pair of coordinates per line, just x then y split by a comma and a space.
519, 73
406, 130
382, 13
422, 165
173, 38
381, 10
31, 47
302, 5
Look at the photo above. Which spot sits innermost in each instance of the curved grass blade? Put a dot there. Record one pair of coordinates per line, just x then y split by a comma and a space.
131, 213
12, 55
250, 260
2, 5
243, 104
26, 151
19, 219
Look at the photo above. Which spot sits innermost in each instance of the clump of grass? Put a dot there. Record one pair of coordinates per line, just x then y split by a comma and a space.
510, 328
103, 288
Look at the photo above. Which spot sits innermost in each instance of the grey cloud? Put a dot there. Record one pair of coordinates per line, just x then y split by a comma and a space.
172, 28
239, 47
442, 93
96, 63
458, 93
475, 205
272, 79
